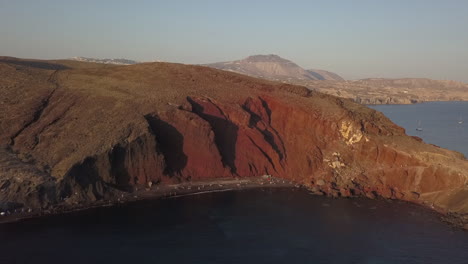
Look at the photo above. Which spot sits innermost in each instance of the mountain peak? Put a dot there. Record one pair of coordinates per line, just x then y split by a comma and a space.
266, 58
273, 67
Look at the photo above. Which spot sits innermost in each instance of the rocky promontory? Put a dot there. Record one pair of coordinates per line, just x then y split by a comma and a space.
77, 133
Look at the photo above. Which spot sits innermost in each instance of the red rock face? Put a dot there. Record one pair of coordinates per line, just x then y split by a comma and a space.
247, 139
265, 135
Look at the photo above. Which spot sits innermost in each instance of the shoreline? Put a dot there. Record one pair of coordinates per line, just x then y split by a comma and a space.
159, 192
421, 102
166, 191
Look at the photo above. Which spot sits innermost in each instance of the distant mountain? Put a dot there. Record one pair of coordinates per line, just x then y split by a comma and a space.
106, 61
325, 75
273, 67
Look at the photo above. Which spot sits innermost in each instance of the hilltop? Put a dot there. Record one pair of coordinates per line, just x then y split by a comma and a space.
365, 91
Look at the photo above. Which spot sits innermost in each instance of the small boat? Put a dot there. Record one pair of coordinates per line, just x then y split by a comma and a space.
419, 128
460, 120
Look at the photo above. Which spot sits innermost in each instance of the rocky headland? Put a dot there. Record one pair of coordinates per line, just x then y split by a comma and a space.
76, 134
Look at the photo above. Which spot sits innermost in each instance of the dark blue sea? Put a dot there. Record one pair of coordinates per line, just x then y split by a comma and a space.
259, 225
250, 226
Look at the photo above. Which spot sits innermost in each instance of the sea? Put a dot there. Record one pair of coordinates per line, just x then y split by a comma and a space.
270, 225
444, 124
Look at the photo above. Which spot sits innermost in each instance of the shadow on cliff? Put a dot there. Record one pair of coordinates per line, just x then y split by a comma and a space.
86, 176
268, 136
118, 169
170, 143
225, 134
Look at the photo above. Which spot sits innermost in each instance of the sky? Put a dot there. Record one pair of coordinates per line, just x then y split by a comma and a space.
354, 38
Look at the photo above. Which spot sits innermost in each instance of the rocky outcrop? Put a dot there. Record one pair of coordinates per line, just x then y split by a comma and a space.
90, 134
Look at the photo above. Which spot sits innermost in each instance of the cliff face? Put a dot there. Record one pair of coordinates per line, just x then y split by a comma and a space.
80, 134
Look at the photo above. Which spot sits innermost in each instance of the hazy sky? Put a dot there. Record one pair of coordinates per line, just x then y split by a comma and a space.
356, 39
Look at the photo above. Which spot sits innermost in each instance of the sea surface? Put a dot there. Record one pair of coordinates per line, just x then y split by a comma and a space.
284, 225
439, 122
281, 225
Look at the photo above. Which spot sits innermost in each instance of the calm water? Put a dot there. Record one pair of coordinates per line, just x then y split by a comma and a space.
438, 120
250, 226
